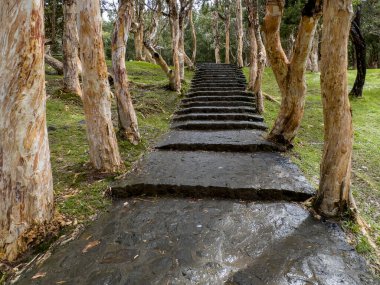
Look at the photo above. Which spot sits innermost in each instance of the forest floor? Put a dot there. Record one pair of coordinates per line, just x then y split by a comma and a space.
80, 193
308, 146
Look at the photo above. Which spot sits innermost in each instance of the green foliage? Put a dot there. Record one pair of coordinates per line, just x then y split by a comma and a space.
363, 245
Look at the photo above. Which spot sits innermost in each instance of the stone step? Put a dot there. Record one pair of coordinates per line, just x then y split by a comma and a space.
228, 141
219, 116
218, 125
218, 80
218, 73
220, 93
217, 84
191, 110
211, 89
218, 104
258, 176
233, 98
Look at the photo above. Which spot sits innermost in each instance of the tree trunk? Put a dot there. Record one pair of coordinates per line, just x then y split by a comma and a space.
104, 151
239, 24
360, 52
215, 28
181, 46
175, 32
334, 188
227, 24
313, 60
127, 117
252, 45
164, 66
194, 37
70, 49
139, 34
54, 63
290, 75
25, 173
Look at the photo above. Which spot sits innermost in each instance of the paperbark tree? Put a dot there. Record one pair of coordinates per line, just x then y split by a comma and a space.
54, 63
70, 48
360, 52
104, 151
226, 17
334, 188
239, 26
128, 125
164, 66
25, 173
193, 37
258, 56
290, 75
175, 33
139, 33
313, 60
185, 6
215, 30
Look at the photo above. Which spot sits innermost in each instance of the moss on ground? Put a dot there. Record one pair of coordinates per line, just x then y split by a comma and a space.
79, 190
307, 152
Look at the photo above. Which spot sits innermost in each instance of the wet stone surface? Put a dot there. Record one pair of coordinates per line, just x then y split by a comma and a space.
179, 241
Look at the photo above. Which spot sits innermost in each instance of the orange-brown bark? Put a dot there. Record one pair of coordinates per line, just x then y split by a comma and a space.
290, 75
26, 185
128, 125
334, 188
104, 151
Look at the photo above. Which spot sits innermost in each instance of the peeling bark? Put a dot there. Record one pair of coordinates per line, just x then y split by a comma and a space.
104, 151
70, 49
175, 32
239, 26
290, 75
334, 188
26, 185
128, 125
193, 36
164, 66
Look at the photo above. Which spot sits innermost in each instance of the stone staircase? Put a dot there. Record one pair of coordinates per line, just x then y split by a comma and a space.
216, 148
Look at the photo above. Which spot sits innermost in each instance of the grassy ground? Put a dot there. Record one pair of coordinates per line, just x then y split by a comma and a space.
307, 152
79, 191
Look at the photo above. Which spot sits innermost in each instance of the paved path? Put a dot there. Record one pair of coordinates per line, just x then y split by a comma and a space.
183, 230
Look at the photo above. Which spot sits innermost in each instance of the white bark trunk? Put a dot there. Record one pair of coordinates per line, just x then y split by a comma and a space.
104, 151
70, 49
128, 125
239, 23
25, 173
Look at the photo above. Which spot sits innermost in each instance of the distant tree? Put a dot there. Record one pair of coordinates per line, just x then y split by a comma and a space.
215, 29
360, 52
333, 195
239, 31
104, 151
70, 48
226, 17
25, 173
128, 125
289, 73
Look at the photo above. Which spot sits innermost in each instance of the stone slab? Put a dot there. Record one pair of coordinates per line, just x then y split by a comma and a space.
219, 98
195, 89
179, 241
228, 141
218, 125
220, 93
243, 116
217, 104
207, 109
261, 175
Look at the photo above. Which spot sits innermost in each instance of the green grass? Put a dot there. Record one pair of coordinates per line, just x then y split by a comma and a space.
79, 190
307, 152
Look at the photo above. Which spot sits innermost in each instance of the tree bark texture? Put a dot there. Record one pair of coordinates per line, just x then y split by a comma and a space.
193, 37
54, 63
104, 151
26, 185
239, 24
128, 125
227, 24
290, 75
252, 45
360, 53
164, 66
313, 60
70, 48
139, 34
334, 188
175, 32
215, 28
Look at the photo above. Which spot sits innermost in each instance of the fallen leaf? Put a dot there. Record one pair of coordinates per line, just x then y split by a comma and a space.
39, 275
90, 245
